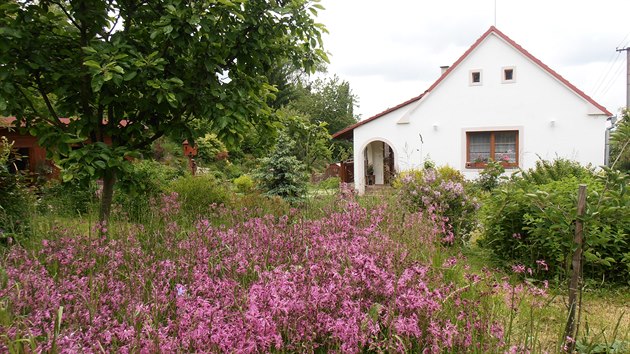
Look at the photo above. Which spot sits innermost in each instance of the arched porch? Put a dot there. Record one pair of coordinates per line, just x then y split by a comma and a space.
378, 163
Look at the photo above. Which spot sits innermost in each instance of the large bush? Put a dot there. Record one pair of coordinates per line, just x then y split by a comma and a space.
530, 220
439, 192
146, 181
198, 195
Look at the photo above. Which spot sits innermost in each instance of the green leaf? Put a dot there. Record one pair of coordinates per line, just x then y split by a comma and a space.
130, 75
92, 64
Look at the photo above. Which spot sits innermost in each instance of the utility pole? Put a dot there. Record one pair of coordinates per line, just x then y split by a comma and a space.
627, 50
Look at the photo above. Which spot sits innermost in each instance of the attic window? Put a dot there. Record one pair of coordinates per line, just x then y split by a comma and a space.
508, 75
475, 77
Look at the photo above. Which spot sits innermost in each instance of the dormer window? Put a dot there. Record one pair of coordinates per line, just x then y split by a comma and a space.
508, 75
475, 77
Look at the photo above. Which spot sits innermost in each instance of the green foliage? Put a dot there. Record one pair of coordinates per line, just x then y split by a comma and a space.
311, 140
72, 198
489, 177
15, 199
146, 180
547, 171
244, 184
620, 143
131, 72
282, 173
330, 183
210, 149
199, 194
327, 101
526, 221
440, 192
169, 152
448, 173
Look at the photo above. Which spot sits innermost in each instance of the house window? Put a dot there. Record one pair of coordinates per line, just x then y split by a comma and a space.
475, 77
482, 147
508, 75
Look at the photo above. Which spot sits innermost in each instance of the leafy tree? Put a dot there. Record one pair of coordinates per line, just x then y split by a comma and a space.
328, 101
134, 71
619, 143
312, 141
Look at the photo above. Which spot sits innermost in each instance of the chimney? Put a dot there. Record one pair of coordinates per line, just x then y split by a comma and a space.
444, 68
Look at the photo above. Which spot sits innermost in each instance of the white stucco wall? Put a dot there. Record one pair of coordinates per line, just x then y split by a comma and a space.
552, 120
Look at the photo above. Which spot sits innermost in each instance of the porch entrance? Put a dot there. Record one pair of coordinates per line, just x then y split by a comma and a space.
378, 163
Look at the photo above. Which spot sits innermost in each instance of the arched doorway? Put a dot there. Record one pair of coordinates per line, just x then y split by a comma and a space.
378, 160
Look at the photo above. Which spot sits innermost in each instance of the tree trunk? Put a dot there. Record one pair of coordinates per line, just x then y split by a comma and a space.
570, 332
107, 196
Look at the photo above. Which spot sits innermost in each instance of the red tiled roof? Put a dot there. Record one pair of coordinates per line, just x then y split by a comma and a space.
345, 132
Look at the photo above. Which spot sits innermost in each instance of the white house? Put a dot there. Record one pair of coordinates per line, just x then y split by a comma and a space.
497, 101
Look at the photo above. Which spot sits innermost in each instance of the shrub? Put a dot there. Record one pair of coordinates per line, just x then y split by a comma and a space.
198, 194
169, 152
489, 177
440, 192
211, 149
526, 222
146, 180
555, 170
15, 199
282, 174
70, 198
244, 184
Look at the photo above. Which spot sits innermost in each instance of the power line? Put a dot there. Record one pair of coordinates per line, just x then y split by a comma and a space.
612, 61
612, 79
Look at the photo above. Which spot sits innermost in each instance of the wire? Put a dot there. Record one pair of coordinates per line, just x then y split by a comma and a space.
613, 79
614, 60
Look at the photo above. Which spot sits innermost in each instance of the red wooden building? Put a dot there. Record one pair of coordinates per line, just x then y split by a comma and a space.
33, 156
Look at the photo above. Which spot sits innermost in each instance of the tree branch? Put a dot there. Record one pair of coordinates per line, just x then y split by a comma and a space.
68, 15
30, 103
42, 92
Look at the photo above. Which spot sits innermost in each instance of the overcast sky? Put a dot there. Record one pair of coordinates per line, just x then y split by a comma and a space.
391, 50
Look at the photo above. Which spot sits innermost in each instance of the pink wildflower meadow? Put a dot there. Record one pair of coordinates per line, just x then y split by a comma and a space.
338, 284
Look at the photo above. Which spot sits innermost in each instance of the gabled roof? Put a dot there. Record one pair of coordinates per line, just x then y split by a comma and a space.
346, 132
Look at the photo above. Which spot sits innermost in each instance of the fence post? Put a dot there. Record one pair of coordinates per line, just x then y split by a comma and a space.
576, 270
